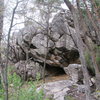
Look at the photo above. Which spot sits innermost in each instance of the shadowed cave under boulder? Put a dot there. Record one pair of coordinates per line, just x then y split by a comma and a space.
55, 63
55, 71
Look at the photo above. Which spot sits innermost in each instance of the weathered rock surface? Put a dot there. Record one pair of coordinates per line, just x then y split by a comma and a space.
64, 90
29, 70
31, 43
75, 72
56, 89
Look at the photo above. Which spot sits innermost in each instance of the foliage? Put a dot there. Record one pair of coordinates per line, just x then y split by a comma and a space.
90, 6
69, 98
97, 3
89, 60
20, 90
28, 93
49, 1
90, 66
98, 56
97, 94
1, 91
48, 7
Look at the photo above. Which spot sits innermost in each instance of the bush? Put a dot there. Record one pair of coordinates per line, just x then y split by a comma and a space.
21, 90
68, 98
90, 66
88, 58
98, 56
1, 91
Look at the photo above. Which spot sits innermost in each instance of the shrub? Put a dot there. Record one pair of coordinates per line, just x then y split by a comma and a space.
90, 66
69, 98
1, 91
88, 58
98, 56
21, 90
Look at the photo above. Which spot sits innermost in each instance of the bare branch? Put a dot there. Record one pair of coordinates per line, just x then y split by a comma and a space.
18, 24
8, 43
42, 25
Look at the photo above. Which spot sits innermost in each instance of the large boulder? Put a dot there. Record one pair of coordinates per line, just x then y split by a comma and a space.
75, 72
31, 43
29, 70
33, 40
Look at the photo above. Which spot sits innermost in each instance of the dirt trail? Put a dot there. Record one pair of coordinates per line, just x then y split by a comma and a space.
56, 78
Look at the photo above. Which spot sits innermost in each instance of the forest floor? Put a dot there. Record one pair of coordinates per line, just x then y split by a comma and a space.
56, 78
73, 93
27, 90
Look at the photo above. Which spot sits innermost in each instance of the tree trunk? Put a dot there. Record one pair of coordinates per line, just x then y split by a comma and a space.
1, 23
1, 33
48, 33
80, 45
7, 53
89, 46
97, 72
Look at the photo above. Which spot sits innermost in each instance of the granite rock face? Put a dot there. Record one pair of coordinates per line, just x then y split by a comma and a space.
75, 72
32, 42
56, 90
29, 70
64, 90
